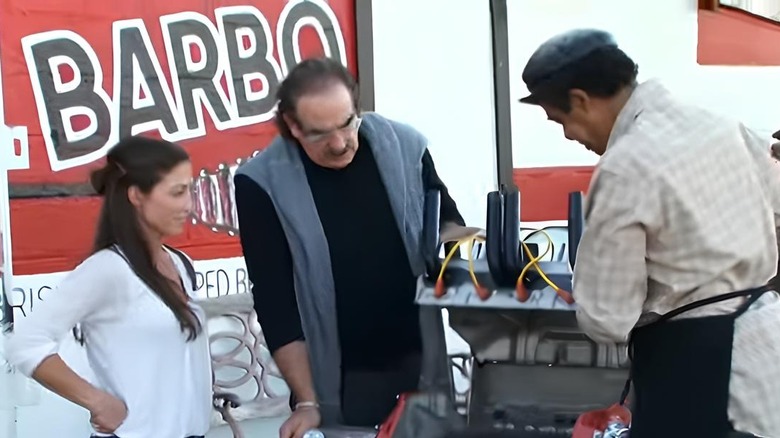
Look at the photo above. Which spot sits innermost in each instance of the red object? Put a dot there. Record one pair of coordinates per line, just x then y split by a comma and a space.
597, 421
439, 290
483, 292
544, 191
565, 296
97, 23
731, 36
387, 429
521, 292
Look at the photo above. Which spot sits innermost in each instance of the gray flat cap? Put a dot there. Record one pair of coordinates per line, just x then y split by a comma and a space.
560, 51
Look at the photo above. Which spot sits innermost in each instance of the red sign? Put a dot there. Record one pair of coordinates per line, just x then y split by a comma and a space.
203, 74
80, 77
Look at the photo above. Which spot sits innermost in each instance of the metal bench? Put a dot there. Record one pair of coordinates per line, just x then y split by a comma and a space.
247, 383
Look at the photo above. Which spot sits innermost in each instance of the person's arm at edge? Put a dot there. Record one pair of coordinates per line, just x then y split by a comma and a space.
448, 213
769, 172
610, 278
270, 269
56, 376
33, 346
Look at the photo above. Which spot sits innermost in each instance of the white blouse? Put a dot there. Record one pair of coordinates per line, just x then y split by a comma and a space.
134, 345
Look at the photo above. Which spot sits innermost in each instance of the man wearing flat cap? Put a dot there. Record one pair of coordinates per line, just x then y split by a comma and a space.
679, 244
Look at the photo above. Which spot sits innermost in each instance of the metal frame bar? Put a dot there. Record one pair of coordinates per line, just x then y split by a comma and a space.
502, 92
364, 34
709, 5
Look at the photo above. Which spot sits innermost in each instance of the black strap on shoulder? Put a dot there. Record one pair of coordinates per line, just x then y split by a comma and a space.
79, 335
184, 259
187, 265
115, 248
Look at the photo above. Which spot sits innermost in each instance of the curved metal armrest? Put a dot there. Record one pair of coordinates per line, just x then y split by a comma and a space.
226, 400
223, 402
236, 342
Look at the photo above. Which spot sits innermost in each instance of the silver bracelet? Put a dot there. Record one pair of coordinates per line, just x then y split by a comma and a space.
306, 404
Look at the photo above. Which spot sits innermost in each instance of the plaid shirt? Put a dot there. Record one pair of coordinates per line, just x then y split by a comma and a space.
683, 206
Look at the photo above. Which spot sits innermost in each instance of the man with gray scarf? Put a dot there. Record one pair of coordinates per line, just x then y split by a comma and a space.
331, 219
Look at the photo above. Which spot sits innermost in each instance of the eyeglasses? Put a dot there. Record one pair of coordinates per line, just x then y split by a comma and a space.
351, 126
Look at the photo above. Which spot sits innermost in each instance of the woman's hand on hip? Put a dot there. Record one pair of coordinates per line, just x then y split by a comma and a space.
107, 413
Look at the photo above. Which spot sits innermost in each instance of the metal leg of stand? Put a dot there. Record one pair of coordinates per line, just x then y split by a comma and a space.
436, 374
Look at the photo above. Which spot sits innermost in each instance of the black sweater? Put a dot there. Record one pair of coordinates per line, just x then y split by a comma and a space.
375, 288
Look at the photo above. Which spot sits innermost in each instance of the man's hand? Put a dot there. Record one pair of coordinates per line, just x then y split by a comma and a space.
107, 413
452, 232
302, 420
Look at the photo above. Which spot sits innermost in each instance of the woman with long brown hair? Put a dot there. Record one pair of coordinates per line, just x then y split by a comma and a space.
133, 300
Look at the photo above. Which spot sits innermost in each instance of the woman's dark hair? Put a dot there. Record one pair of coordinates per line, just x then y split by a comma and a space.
141, 162
602, 73
310, 76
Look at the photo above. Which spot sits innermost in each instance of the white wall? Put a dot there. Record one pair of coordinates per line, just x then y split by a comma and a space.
661, 36
434, 69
